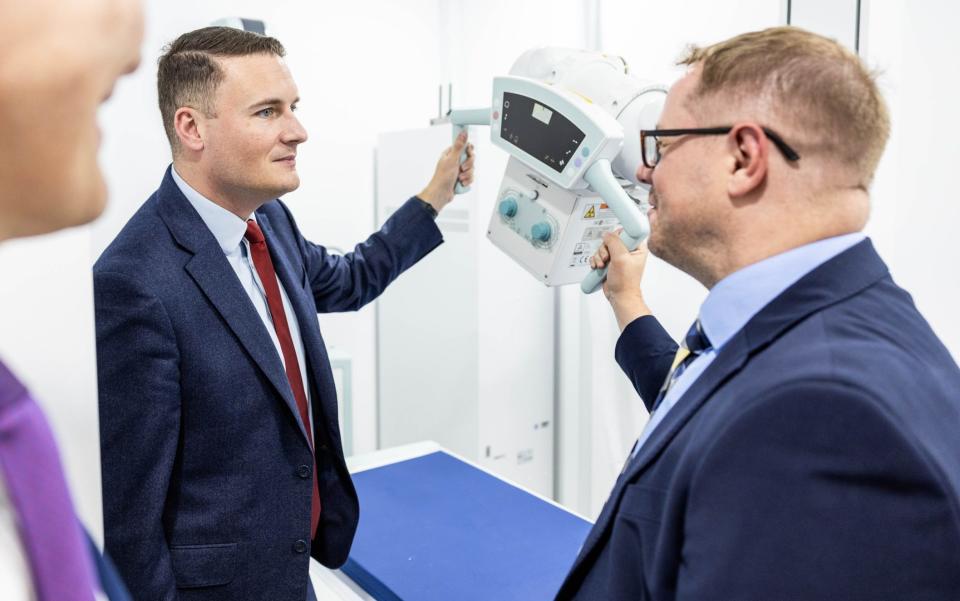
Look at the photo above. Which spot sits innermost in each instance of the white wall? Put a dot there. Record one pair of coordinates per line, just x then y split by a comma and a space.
837, 19
915, 204
485, 38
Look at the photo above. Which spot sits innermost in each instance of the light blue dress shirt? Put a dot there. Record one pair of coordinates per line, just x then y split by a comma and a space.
737, 298
229, 230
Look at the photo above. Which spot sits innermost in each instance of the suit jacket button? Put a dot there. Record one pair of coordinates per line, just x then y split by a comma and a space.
304, 471
323, 448
300, 546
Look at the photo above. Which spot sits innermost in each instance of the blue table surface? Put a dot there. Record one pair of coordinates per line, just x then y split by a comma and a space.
437, 528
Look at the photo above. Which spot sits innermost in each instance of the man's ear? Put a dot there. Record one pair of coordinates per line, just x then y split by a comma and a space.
189, 125
751, 150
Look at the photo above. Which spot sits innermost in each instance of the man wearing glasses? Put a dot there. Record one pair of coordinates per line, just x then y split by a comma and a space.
803, 440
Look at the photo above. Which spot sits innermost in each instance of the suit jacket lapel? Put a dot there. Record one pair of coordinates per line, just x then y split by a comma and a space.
213, 275
727, 363
839, 278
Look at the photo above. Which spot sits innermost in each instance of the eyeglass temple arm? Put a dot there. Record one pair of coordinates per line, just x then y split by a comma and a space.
789, 153
636, 227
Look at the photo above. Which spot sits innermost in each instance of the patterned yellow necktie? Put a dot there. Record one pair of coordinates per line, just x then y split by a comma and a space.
695, 343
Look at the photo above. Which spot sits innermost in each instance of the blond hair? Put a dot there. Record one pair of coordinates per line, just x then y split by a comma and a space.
819, 89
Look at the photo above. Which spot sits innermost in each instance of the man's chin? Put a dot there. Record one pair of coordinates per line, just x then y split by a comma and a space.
293, 182
56, 215
655, 240
84, 208
285, 187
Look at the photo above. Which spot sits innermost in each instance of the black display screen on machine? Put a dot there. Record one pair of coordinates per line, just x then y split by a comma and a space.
539, 130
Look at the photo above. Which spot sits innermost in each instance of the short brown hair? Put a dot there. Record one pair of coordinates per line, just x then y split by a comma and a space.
812, 82
188, 73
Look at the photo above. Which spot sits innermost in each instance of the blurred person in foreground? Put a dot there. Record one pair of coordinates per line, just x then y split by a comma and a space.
59, 61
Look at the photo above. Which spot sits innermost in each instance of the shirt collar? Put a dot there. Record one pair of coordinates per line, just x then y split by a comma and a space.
226, 227
741, 295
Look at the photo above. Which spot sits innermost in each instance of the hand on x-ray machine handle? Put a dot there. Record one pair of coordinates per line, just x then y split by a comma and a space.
460, 119
459, 188
595, 279
636, 227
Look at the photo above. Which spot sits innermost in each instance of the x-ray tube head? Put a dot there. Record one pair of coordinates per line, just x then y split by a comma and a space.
570, 121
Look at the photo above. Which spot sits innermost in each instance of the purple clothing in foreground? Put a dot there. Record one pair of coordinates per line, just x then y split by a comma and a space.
49, 530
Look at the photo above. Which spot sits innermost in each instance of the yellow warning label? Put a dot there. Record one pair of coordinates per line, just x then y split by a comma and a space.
591, 212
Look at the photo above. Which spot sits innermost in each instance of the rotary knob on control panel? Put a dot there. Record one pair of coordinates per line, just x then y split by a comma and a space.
541, 231
508, 207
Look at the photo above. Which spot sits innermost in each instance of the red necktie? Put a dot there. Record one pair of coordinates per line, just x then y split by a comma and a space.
268, 277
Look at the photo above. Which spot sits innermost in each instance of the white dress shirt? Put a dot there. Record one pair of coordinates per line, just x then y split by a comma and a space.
229, 230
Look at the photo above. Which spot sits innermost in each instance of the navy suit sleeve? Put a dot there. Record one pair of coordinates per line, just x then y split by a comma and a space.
814, 493
138, 377
348, 282
645, 352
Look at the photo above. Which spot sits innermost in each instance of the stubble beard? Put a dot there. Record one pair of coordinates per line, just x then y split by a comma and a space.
683, 245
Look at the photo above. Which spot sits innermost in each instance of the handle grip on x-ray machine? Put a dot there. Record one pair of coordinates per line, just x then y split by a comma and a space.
461, 119
636, 227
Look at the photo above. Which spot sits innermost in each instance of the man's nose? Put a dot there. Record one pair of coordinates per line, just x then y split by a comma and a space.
645, 174
294, 133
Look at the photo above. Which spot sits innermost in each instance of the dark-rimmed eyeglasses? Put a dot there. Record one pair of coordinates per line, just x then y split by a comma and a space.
651, 146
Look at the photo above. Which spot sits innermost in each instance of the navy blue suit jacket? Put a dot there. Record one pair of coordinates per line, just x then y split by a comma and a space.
206, 466
817, 457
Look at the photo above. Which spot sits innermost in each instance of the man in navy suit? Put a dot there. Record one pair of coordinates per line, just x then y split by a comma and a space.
804, 439
223, 470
